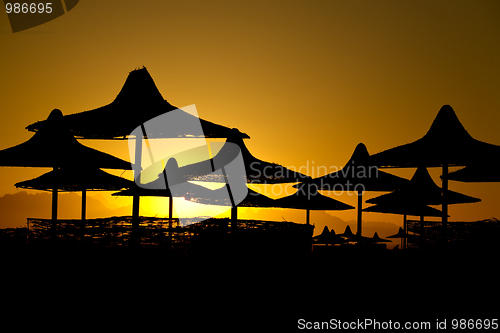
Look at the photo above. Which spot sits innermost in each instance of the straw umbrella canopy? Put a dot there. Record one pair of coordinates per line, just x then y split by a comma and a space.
72, 180
138, 101
485, 172
220, 197
359, 174
351, 237
447, 143
54, 147
253, 171
402, 207
424, 190
328, 237
324, 237
376, 239
163, 187
308, 198
335, 239
257, 171
400, 234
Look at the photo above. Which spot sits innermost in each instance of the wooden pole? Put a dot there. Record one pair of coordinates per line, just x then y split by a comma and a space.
170, 207
422, 222
234, 217
54, 202
84, 205
405, 224
445, 197
137, 178
54, 211
360, 206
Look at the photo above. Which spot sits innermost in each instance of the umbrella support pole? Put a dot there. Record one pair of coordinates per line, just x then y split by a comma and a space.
54, 210
445, 195
234, 217
84, 217
405, 229
422, 223
170, 208
308, 216
137, 179
84, 205
360, 206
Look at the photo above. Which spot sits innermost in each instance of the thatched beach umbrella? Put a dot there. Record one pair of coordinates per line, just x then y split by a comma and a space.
166, 186
336, 239
328, 237
423, 190
138, 101
220, 197
351, 237
54, 147
400, 234
253, 170
484, 172
447, 143
75, 179
257, 171
324, 237
308, 199
376, 239
359, 174
402, 207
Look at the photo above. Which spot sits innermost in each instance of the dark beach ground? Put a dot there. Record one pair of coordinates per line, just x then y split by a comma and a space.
237, 287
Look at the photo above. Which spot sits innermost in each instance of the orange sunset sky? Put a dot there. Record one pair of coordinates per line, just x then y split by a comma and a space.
306, 80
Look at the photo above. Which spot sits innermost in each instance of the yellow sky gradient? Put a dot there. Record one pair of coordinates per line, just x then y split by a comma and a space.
306, 80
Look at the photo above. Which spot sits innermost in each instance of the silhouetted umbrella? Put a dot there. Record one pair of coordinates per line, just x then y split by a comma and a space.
447, 143
74, 179
404, 208
137, 102
310, 200
423, 190
352, 237
54, 147
220, 197
486, 171
335, 239
400, 234
376, 239
256, 171
324, 237
348, 233
359, 174
328, 237
161, 188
